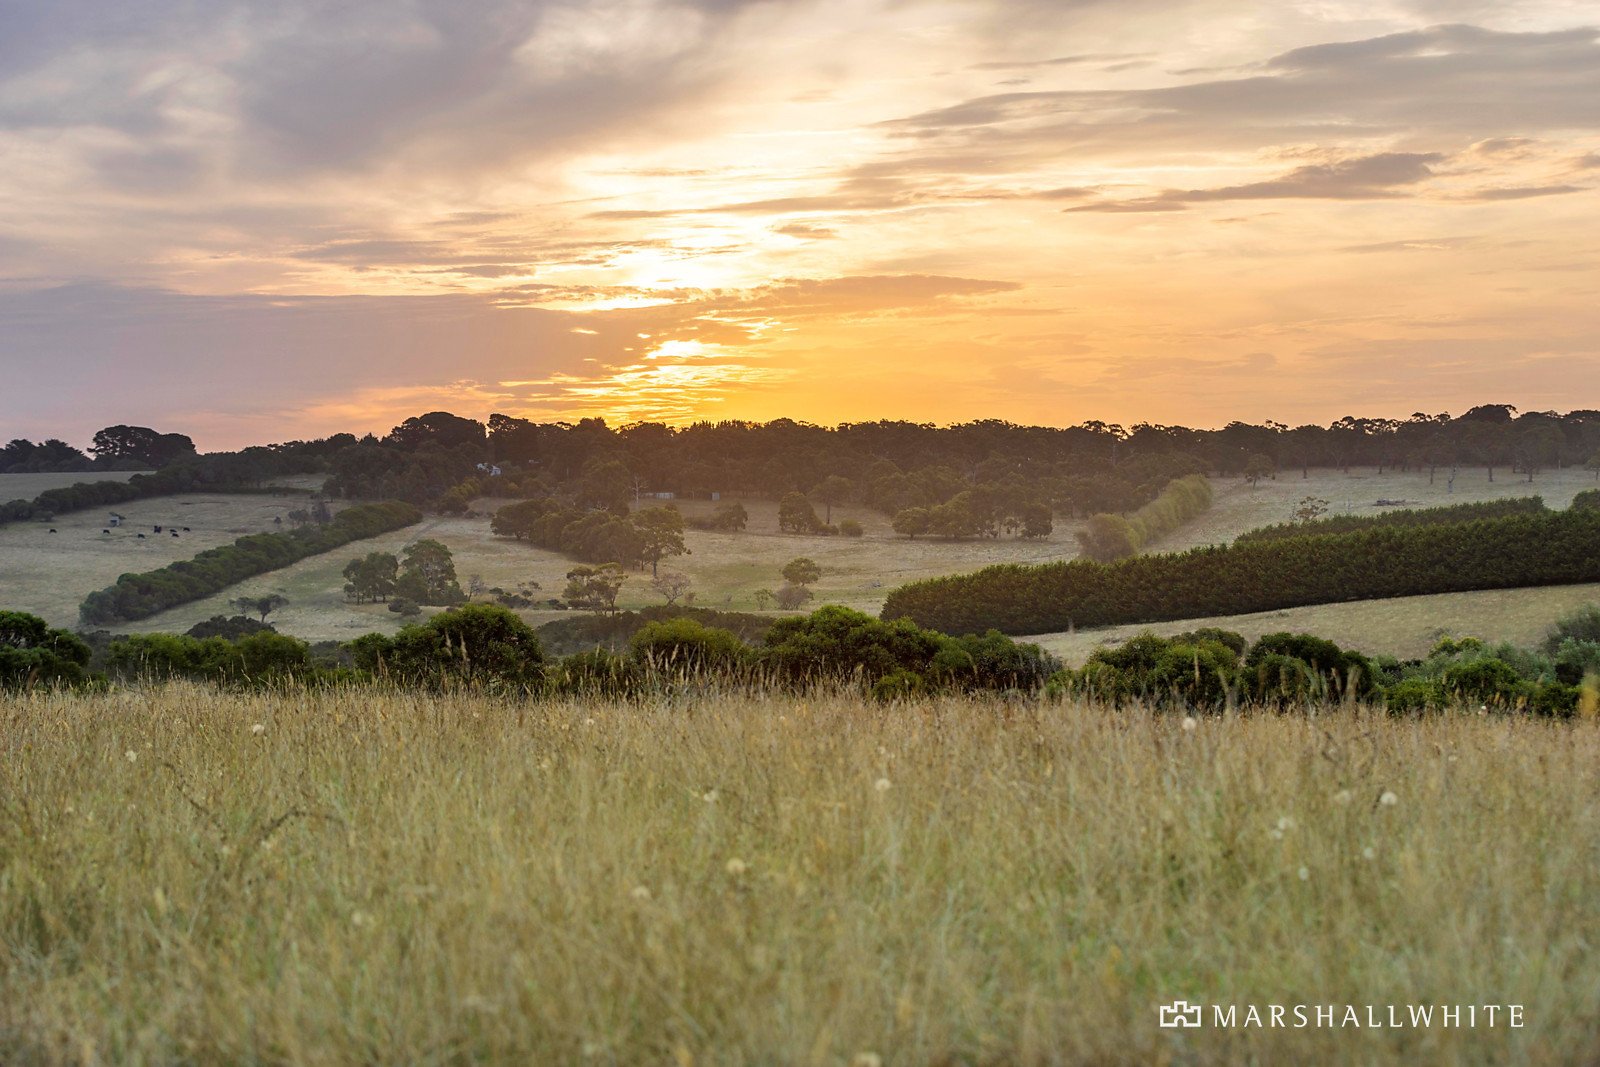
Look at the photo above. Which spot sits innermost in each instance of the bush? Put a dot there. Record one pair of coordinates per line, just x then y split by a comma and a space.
31, 653
851, 528
684, 645
263, 658
477, 644
404, 606
229, 629
1581, 625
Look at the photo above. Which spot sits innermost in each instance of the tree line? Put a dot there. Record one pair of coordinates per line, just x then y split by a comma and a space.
1548, 548
1108, 537
138, 596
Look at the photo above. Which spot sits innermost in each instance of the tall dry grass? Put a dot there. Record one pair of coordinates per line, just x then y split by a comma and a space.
373, 878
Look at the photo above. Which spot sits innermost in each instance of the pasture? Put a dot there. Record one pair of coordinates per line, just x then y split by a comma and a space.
50, 574
320, 878
1404, 627
28, 486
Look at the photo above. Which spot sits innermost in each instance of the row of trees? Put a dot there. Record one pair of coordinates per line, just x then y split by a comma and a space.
138, 596
1312, 523
1107, 537
1551, 548
982, 511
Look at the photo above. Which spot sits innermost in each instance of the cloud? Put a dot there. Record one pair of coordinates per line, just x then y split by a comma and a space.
1524, 192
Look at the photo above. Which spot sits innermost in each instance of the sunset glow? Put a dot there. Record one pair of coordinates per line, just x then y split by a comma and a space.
278, 220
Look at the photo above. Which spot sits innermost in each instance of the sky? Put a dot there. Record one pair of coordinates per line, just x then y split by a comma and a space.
257, 220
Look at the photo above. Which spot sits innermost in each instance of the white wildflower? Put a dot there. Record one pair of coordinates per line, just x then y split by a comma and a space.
1343, 797
258, 729
1369, 853
639, 892
1286, 824
1190, 724
881, 785
1305, 874
737, 867
133, 757
1388, 799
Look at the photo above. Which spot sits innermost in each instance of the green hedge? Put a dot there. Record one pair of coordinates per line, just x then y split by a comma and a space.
1108, 537
138, 596
1549, 548
1444, 516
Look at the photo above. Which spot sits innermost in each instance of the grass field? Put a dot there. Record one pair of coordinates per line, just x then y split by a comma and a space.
188, 876
28, 486
727, 569
1405, 627
1238, 506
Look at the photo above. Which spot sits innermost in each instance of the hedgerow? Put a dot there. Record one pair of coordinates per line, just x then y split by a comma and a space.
138, 596
1443, 516
1548, 548
1109, 537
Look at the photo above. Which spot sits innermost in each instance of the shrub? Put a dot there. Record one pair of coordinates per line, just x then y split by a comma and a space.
851, 528
32, 653
1581, 625
476, 644
685, 645
1487, 681
405, 606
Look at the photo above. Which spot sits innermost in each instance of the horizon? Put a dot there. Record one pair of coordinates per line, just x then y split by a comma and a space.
267, 222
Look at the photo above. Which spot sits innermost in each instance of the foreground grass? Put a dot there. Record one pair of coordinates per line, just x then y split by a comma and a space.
374, 878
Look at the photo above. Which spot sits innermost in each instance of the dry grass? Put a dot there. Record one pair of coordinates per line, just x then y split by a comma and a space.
401, 879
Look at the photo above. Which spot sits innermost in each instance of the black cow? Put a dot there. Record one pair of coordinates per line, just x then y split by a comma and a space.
141, 537
52, 531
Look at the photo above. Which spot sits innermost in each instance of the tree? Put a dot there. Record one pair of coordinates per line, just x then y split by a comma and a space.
1593, 464
801, 571
796, 515
1037, 520
730, 516
1107, 537
673, 585
372, 577
764, 597
428, 568
595, 588
1310, 509
661, 531
261, 606
911, 522
832, 490
605, 485
438, 428
140, 445
1258, 467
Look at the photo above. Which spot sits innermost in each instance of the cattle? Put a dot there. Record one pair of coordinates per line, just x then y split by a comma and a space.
141, 537
158, 529
52, 531
105, 531
186, 529
174, 533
